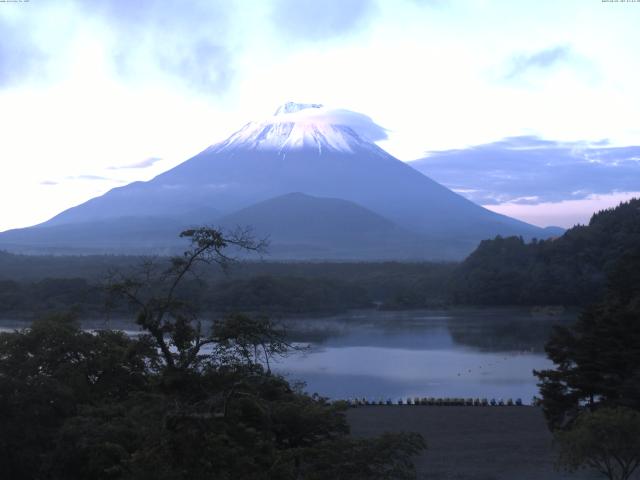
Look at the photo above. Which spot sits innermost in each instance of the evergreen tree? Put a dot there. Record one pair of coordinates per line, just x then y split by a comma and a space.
598, 359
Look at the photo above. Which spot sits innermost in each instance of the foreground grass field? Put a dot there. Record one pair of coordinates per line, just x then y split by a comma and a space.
464, 443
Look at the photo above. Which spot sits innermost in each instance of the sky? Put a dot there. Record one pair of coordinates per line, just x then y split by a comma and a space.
529, 108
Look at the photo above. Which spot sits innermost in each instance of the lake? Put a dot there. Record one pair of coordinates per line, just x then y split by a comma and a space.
469, 353
453, 353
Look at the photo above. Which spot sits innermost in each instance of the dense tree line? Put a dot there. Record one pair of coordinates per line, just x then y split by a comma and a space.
50, 294
306, 289
30, 268
570, 270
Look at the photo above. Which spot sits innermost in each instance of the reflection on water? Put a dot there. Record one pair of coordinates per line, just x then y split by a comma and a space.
457, 353
379, 355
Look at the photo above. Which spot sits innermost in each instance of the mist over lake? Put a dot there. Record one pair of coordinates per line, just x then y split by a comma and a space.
391, 355
469, 353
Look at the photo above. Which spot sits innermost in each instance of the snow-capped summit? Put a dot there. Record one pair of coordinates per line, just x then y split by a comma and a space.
309, 126
292, 107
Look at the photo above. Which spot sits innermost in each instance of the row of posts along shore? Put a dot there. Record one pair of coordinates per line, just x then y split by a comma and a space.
438, 402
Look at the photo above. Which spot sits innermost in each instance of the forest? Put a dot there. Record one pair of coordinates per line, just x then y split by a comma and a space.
569, 270
32, 286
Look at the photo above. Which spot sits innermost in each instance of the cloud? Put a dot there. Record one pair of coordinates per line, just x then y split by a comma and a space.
20, 56
48, 182
198, 44
565, 213
186, 40
313, 20
528, 170
87, 177
431, 3
363, 125
146, 163
203, 65
521, 64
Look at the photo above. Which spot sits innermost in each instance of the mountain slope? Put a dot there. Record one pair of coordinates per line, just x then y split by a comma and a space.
129, 234
304, 148
300, 226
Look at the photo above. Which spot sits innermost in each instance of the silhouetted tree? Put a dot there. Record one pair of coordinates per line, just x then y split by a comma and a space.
598, 359
607, 440
154, 291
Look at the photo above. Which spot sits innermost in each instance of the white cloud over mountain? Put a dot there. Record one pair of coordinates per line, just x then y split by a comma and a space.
362, 124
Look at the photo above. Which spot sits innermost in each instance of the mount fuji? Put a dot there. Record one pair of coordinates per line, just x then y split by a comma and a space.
306, 165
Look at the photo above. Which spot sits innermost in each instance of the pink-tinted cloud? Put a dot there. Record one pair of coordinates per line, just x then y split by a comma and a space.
565, 213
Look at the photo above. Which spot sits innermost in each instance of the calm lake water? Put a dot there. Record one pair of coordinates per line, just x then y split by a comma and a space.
391, 355
453, 353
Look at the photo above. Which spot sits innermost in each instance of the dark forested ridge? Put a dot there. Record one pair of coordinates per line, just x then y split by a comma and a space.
571, 269
30, 286
36, 267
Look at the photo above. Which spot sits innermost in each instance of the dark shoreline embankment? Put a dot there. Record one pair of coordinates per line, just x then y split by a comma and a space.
464, 443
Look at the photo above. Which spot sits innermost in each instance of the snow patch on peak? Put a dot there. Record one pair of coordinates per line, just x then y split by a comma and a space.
292, 107
310, 127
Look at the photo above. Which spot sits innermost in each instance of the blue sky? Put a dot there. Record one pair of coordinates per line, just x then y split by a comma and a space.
527, 107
